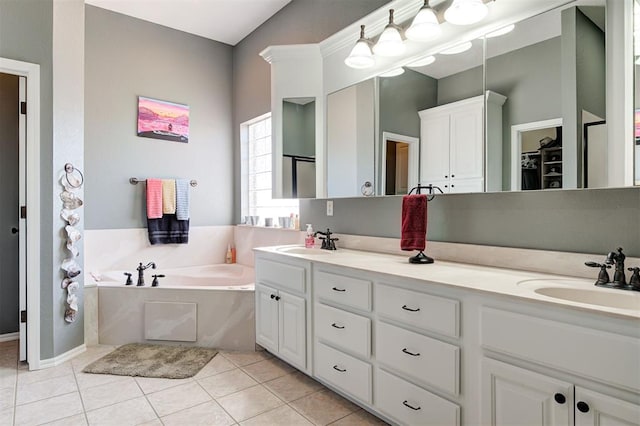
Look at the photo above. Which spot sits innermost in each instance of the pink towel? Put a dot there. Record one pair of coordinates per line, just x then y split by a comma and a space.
154, 198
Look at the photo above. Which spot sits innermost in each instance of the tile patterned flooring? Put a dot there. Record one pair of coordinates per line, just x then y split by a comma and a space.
235, 388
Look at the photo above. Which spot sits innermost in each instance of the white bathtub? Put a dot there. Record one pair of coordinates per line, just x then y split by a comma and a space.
209, 306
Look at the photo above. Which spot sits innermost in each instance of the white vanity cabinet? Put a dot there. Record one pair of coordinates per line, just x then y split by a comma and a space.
281, 309
452, 154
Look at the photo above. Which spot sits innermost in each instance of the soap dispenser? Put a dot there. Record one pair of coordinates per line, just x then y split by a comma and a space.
309, 240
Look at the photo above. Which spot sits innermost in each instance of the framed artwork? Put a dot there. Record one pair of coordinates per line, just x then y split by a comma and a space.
163, 120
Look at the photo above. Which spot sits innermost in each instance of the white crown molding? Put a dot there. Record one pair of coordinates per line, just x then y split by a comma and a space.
273, 54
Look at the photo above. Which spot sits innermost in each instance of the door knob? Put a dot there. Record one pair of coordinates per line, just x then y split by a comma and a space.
14, 230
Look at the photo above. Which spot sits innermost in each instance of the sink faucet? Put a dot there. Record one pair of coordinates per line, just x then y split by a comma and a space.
617, 259
141, 269
328, 243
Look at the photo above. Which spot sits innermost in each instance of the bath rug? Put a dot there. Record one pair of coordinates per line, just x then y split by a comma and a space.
159, 361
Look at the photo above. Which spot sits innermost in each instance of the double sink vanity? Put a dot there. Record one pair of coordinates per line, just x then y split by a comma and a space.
452, 343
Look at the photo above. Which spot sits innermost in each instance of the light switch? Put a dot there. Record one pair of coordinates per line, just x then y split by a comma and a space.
329, 207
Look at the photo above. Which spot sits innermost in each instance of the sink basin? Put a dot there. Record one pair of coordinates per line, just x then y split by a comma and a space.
621, 299
304, 251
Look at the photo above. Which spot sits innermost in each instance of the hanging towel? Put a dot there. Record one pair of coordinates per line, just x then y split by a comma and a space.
168, 196
168, 230
154, 198
182, 199
414, 222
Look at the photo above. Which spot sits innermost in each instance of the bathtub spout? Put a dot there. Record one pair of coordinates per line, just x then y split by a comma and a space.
141, 269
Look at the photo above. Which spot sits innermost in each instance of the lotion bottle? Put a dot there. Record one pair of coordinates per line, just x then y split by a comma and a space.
229, 256
309, 240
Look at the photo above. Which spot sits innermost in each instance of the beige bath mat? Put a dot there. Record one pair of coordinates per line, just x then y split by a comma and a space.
137, 359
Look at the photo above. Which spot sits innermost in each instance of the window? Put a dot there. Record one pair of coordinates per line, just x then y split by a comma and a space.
256, 179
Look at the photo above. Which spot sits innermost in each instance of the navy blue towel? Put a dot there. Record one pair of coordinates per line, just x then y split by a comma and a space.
168, 230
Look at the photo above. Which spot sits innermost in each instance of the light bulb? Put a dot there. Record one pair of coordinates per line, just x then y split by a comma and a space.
393, 73
422, 62
425, 25
466, 12
361, 55
390, 42
457, 49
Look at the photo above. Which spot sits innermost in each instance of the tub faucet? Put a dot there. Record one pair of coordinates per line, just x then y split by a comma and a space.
141, 269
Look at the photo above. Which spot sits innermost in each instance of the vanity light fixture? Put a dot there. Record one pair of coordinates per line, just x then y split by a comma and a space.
361, 55
466, 12
393, 73
425, 25
422, 62
502, 31
390, 42
463, 47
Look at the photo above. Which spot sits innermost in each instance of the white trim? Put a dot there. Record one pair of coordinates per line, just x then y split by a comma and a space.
7, 337
62, 358
22, 222
32, 73
516, 147
414, 158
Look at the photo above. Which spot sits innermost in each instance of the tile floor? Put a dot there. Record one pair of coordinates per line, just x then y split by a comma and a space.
235, 388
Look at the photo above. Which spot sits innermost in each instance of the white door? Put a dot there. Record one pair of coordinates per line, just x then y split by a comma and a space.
466, 143
402, 168
513, 396
595, 409
22, 227
434, 149
292, 336
267, 317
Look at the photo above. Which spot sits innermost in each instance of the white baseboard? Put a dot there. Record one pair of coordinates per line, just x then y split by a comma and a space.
7, 337
52, 362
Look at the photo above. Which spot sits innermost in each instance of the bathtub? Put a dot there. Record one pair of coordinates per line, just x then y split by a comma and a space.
207, 305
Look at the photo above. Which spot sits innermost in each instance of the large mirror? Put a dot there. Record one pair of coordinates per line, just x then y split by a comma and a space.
636, 58
299, 148
543, 125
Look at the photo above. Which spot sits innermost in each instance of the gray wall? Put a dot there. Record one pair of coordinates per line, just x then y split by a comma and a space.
9, 161
26, 34
582, 221
298, 129
127, 57
301, 21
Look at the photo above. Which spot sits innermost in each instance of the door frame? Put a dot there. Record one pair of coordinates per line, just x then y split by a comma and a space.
516, 146
414, 158
32, 222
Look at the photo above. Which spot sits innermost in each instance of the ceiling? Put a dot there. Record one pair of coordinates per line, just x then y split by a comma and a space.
227, 21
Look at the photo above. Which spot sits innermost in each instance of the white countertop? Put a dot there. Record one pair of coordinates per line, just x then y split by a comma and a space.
506, 282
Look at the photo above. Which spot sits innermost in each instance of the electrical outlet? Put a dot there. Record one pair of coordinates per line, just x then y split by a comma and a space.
329, 207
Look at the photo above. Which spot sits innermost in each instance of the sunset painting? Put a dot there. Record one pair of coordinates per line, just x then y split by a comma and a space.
163, 120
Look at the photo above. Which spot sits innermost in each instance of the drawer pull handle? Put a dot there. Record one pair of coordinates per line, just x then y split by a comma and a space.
409, 353
409, 309
406, 404
335, 367
337, 326
339, 289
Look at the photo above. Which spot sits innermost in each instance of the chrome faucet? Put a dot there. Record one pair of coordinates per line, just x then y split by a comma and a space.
328, 243
141, 269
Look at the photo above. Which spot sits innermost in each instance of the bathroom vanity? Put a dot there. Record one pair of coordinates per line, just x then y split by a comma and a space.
452, 343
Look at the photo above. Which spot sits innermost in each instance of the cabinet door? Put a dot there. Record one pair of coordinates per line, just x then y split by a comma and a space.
514, 396
466, 143
434, 149
462, 186
595, 409
293, 332
266, 317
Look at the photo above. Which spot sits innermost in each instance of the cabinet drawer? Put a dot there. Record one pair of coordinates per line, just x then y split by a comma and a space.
343, 329
412, 405
290, 277
343, 371
557, 345
420, 310
424, 359
347, 291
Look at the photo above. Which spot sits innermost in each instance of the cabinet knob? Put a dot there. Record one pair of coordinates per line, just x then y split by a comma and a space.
453, 176
583, 407
277, 297
446, 186
273, 296
14, 230
560, 398
453, 186
446, 176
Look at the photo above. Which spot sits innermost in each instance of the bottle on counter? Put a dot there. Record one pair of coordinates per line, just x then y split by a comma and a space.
309, 240
229, 257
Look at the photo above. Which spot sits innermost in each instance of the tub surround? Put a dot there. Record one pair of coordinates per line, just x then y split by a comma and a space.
450, 343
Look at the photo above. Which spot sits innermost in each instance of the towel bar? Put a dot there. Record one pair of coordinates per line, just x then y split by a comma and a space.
134, 181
